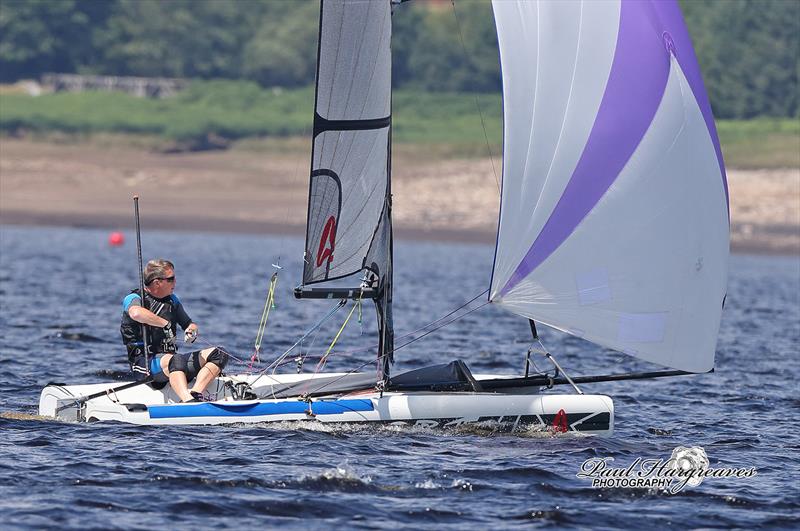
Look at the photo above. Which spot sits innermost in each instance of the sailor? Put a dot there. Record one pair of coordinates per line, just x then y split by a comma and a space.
161, 314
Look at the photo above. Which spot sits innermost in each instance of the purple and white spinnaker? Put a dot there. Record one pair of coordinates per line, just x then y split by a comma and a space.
614, 214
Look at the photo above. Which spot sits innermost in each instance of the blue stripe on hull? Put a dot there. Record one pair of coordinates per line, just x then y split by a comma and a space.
216, 409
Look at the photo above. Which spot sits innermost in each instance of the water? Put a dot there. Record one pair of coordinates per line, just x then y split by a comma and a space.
60, 293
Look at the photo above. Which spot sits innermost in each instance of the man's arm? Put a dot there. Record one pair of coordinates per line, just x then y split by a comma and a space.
182, 318
142, 315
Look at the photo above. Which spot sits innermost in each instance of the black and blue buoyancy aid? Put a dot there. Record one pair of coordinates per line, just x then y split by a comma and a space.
169, 308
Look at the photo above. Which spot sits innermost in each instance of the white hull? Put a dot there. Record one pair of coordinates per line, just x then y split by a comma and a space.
513, 410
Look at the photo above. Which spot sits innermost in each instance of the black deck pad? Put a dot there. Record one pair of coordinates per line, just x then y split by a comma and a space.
453, 376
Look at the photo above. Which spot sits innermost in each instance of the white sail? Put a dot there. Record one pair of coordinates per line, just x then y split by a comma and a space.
614, 215
348, 212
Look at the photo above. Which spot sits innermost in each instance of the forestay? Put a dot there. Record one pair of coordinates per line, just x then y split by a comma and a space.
614, 213
348, 212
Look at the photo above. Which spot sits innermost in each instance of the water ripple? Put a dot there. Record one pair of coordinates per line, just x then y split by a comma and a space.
322, 476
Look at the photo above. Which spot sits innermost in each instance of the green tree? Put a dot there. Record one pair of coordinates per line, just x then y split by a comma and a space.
407, 21
283, 50
749, 52
179, 38
38, 36
456, 49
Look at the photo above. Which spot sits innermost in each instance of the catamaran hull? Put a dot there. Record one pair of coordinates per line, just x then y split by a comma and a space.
592, 414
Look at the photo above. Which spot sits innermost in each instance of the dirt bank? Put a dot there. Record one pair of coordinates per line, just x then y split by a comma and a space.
264, 190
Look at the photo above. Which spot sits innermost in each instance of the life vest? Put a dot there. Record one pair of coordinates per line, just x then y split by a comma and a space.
156, 340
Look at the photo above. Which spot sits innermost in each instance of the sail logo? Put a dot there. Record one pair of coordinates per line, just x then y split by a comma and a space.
327, 242
685, 467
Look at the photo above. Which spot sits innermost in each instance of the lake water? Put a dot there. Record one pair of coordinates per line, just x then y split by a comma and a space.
60, 294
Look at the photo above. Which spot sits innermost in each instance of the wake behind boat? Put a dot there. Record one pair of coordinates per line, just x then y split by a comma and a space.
613, 223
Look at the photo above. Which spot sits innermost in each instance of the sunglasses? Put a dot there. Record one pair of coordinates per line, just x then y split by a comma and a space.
167, 279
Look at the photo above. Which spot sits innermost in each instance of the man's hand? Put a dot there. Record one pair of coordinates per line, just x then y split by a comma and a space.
169, 335
190, 333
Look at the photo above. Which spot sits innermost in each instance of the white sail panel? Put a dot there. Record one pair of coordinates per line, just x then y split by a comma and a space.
613, 222
348, 215
646, 271
551, 94
354, 78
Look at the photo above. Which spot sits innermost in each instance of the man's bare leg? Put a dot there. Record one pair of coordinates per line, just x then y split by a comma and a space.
177, 380
207, 373
204, 377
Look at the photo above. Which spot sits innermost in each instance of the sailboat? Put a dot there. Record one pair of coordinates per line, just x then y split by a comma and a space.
613, 225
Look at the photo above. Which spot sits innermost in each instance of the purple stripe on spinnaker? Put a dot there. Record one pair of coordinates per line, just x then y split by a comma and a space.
633, 93
671, 19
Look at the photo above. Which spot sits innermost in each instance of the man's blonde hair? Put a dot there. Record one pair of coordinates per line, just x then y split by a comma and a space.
156, 269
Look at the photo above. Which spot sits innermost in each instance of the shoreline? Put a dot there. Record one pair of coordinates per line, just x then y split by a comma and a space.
761, 240
124, 223
264, 191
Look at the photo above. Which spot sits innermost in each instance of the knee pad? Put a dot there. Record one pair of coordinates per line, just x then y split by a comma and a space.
178, 363
218, 357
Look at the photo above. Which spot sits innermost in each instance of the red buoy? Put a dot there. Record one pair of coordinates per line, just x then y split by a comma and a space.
115, 239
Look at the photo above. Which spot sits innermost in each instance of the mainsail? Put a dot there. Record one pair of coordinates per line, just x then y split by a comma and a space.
349, 224
614, 213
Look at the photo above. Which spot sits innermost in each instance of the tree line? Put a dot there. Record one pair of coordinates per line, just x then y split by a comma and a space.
749, 50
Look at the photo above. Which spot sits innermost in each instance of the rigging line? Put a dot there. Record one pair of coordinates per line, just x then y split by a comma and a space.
413, 332
313, 330
308, 131
231, 355
380, 357
324, 358
274, 365
299, 360
294, 190
262, 326
477, 102
440, 327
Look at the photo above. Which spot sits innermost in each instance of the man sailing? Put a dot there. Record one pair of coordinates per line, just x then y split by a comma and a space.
161, 314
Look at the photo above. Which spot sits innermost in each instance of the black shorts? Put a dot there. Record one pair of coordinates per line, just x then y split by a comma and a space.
159, 378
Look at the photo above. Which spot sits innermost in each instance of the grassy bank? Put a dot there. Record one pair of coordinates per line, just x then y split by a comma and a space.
215, 114
762, 143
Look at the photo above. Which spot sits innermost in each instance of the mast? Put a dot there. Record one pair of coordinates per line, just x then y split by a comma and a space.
384, 303
349, 225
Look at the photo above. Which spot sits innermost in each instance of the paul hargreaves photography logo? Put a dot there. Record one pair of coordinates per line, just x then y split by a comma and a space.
686, 467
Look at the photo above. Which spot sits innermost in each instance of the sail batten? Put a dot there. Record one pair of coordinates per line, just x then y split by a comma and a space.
613, 224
